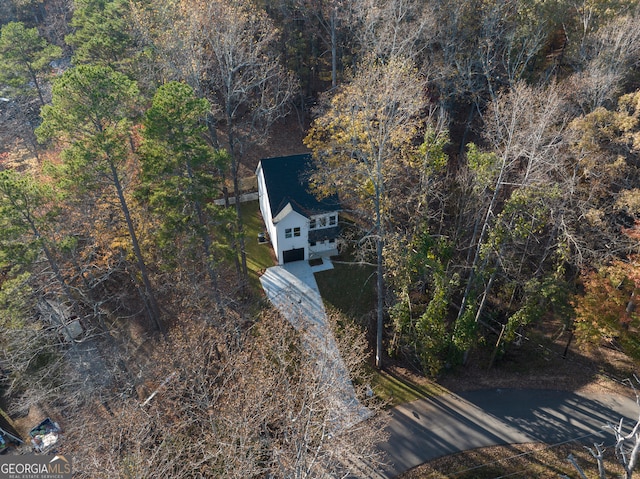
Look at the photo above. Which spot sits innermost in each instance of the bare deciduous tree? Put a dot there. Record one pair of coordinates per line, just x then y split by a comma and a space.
608, 57
333, 18
523, 126
229, 407
392, 28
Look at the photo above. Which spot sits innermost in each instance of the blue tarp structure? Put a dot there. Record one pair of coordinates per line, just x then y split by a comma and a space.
45, 435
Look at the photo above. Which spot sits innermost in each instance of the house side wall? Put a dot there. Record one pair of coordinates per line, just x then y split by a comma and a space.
265, 209
291, 221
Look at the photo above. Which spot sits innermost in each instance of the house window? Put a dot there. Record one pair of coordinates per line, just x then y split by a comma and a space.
312, 243
312, 224
296, 231
322, 221
287, 233
332, 220
332, 240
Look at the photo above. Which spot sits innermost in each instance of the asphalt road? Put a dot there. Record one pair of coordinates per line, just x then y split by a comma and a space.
426, 429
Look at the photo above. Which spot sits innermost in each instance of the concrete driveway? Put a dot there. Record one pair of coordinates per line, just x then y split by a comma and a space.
426, 429
293, 290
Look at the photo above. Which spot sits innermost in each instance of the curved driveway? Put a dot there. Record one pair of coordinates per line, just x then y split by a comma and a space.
429, 428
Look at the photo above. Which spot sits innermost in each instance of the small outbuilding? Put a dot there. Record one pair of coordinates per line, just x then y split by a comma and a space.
299, 225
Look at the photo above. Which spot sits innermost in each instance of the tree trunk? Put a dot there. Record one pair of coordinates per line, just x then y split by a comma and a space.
483, 233
34, 79
236, 189
213, 134
380, 316
150, 297
240, 225
334, 48
379, 259
213, 276
206, 245
497, 346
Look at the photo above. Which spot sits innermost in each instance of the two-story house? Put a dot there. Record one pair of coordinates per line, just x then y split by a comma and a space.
300, 227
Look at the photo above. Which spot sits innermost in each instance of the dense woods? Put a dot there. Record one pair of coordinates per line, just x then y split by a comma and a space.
486, 154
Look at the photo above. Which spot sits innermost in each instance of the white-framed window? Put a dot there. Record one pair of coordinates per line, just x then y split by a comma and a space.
296, 231
332, 220
332, 240
322, 221
287, 233
312, 224
312, 243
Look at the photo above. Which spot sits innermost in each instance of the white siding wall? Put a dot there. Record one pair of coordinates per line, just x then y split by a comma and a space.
265, 209
291, 221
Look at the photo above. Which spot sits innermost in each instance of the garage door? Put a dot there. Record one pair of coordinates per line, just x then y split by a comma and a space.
293, 255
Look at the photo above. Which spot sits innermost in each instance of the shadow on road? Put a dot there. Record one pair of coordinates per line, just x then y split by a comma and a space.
436, 426
553, 417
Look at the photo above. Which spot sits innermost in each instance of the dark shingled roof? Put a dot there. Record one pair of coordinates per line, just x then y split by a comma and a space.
323, 234
287, 178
